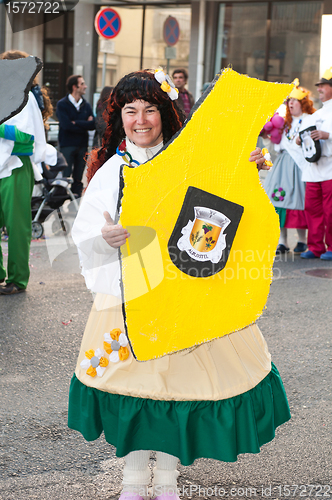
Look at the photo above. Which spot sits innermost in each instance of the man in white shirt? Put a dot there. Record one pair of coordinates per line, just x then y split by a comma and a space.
318, 176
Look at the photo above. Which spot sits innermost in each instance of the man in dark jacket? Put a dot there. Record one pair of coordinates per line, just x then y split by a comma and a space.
75, 119
186, 99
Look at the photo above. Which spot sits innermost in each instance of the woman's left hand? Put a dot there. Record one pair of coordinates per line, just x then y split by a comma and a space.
258, 157
317, 135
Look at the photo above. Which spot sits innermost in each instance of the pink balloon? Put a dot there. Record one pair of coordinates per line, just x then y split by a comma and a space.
277, 121
268, 126
276, 140
275, 132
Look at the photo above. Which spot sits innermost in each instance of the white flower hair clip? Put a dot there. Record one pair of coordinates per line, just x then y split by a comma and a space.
166, 84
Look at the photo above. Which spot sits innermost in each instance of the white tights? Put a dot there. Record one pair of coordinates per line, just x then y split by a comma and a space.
301, 233
136, 473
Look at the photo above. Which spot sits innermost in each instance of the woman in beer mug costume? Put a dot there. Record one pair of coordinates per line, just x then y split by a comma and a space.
211, 401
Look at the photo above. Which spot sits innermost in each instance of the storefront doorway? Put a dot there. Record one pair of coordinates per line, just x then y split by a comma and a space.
58, 54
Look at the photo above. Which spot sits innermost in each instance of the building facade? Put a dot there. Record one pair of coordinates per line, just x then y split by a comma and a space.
270, 40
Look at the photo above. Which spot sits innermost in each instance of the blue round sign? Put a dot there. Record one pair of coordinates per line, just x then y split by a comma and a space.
171, 31
107, 23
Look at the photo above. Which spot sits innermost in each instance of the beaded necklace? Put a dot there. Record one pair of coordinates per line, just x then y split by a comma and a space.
291, 137
122, 151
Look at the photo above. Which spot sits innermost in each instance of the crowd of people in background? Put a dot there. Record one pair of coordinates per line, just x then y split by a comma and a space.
299, 188
287, 173
300, 183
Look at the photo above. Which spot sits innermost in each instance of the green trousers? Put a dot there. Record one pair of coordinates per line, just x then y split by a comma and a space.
15, 215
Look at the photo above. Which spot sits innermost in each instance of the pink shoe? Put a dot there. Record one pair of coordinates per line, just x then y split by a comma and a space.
127, 495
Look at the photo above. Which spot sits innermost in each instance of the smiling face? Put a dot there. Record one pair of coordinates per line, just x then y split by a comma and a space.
294, 107
142, 123
324, 91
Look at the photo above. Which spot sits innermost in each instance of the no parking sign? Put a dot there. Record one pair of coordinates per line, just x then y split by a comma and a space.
107, 23
171, 31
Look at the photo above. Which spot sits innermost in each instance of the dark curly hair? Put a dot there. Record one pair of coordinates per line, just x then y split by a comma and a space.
140, 85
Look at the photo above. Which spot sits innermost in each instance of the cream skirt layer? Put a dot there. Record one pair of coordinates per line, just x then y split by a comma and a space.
220, 369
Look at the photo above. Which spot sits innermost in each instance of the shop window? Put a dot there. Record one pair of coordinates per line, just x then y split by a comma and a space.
275, 41
241, 38
295, 42
127, 52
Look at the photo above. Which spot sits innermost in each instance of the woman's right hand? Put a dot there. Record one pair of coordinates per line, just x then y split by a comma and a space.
114, 234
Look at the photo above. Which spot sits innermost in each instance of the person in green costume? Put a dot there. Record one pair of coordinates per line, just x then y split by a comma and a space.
22, 138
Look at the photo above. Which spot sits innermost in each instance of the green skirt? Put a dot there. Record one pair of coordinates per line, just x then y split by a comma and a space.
186, 429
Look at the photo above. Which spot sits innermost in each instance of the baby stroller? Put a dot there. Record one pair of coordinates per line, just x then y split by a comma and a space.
49, 194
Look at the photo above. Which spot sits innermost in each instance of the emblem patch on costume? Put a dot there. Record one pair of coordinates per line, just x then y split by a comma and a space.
311, 149
203, 234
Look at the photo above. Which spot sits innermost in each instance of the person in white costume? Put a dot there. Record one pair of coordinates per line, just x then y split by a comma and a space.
318, 176
283, 183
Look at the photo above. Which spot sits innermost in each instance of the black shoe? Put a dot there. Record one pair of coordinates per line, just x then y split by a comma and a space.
10, 289
300, 248
281, 249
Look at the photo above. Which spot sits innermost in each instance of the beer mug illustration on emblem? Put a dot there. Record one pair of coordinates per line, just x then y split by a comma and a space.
203, 239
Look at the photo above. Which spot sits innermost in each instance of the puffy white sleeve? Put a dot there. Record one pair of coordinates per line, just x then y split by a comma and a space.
99, 262
326, 126
30, 121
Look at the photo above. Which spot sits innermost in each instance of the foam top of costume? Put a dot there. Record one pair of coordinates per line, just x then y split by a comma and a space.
19, 73
298, 92
326, 78
175, 295
28, 121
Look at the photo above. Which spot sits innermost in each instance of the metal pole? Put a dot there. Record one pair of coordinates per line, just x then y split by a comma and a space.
103, 75
267, 43
3, 15
142, 39
200, 50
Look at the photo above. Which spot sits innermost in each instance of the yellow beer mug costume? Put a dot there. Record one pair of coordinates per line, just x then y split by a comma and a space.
211, 153
202, 383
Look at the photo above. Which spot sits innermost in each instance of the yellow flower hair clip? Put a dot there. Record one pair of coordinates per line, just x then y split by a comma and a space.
166, 84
